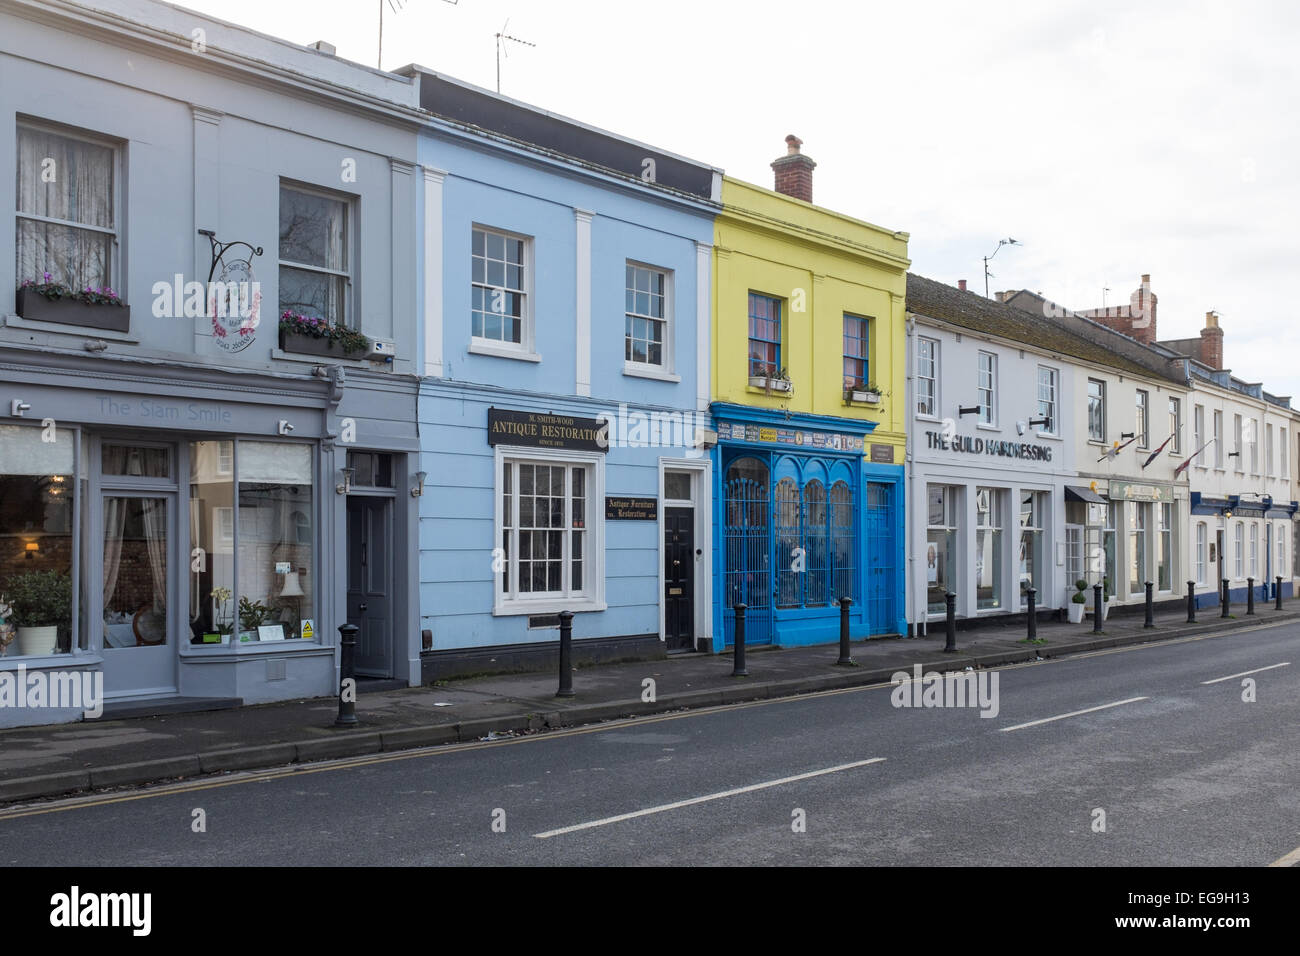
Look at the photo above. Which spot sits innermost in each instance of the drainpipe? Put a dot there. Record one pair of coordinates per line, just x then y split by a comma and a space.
909, 465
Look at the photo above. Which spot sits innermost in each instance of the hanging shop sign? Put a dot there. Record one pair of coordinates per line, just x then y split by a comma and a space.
988, 446
544, 430
793, 437
631, 509
1130, 491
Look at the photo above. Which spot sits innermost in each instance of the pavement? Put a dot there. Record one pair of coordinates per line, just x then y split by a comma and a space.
59, 759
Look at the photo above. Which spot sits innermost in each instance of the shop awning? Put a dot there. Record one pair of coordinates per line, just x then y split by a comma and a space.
1083, 493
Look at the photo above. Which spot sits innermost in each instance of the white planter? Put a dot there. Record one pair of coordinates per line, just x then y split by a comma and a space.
1076, 612
772, 384
860, 397
37, 641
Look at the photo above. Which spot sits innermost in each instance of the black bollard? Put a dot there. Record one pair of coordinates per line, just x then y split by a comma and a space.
1191, 602
1150, 621
1033, 614
566, 655
1096, 609
1225, 598
738, 667
845, 658
1277, 592
950, 602
347, 676
1250, 596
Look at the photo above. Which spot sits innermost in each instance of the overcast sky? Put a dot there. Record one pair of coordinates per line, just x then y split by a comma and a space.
1110, 141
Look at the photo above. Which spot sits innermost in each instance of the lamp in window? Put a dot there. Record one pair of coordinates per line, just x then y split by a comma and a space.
293, 589
345, 481
32, 548
417, 490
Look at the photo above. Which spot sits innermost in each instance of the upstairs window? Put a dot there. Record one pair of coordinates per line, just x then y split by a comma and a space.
67, 222
927, 377
646, 316
986, 388
1096, 410
857, 349
764, 335
1176, 425
315, 260
499, 298
1047, 399
1141, 426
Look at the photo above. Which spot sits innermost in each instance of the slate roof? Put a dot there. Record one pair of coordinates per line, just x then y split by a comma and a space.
1066, 334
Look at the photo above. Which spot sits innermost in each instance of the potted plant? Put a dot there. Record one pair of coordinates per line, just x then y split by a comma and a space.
1078, 601
92, 307
863, 394
40, 603
251, 616
221, 615
771, 379
311, 335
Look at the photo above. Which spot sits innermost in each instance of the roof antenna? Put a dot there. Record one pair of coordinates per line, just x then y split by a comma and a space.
502, 36
987, 274
394, 5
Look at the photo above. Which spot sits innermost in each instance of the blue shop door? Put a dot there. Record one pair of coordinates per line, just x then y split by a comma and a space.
881, 555
747, 548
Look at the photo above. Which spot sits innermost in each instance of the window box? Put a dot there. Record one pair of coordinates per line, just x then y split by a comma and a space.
862, 396
66, 311
305, 344
771, 384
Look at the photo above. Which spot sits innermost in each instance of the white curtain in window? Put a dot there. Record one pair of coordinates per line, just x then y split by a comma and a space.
154, 514
70, 180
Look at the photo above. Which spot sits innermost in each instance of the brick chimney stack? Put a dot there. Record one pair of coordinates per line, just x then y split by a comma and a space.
794, 171
1212, 342
1137, 320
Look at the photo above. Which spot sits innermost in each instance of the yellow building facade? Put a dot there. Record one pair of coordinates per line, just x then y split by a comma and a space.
808, 386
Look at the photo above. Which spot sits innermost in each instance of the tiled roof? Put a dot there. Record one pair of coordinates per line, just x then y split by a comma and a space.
1065, 334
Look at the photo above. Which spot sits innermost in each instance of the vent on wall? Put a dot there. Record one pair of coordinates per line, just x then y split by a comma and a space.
275, 669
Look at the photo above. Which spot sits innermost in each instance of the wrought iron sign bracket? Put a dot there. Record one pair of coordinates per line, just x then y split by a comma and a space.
219, 250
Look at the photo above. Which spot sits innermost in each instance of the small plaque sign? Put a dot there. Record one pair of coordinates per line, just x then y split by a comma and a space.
882, 453
631, 509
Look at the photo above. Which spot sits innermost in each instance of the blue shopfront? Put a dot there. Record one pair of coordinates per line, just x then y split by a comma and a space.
803, 518
1237, 539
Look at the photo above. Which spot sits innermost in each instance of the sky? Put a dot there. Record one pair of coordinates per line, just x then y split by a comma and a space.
1110, 139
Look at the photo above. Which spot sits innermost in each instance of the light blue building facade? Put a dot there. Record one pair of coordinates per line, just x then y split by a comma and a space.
563, 412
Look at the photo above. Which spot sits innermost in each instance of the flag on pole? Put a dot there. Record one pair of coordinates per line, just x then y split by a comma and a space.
1183, 467
1115, 448
1155, 454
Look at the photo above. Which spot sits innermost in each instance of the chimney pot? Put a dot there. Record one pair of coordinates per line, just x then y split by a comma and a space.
794, 171
321, 46
792, 144
961, 284
1146, 278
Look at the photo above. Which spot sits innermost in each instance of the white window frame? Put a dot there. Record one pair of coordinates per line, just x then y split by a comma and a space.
1142, 418
667, 368
1101, 440
117, 279
1284, 453
351, 317
986, 395
593, 596
1202, 536
1239, 448
1254, 550
1054, 403
1217, 420
525, 349
1176, 424
1238, 546
932, 378
1268, 449
1198, 437
1254, 447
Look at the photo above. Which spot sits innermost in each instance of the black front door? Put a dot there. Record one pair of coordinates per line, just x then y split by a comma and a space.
679, 578
370, 584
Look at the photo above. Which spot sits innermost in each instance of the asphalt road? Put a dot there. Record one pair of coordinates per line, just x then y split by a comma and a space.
1189, 774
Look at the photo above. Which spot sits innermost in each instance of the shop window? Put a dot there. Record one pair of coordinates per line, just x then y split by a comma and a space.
1201, 537
1109, 564
988, 549
1139, 521
36, 544
1032, 505
66, 223
764, 336
940, 549
1238, 542
136, 461
789, 576
550, 511
1165, 548
276, 566
1254, 550
748, 516
315, 261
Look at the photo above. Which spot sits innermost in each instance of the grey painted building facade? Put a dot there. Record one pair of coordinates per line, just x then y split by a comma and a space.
193, 497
